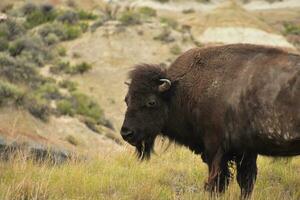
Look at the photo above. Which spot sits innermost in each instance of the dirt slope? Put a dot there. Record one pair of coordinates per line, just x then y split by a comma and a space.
21, 127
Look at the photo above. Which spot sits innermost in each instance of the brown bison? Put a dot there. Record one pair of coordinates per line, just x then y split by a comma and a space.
227, 103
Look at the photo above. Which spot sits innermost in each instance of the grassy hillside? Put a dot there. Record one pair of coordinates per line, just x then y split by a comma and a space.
176, 174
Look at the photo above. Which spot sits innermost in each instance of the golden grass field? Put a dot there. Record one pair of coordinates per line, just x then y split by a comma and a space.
175, 174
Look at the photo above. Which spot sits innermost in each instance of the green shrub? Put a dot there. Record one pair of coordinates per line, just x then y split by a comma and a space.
65, 107
47, 91
11, 29
38, 107
130, 17
61, 51
85, 106
40, 16
291, 29
51, 39
91, 124
72, 140
65, 67
53, 28
61, 67
3, 44
25, 44
30, 48
85, 15
81, 68
169, 22
72, 32
175, 49
29, 8
147, 12
69, 85
63, 31
84, 26
10, 92
17, 70
69, 17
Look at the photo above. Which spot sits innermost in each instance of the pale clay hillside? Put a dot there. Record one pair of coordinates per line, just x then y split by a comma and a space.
85, 75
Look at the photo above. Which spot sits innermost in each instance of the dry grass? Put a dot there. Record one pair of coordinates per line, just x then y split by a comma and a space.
176, 174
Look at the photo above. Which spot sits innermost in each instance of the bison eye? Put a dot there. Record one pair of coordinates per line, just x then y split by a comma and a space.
151, 103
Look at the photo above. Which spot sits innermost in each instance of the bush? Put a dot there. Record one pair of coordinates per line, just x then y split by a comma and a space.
86, 106
291, 29
65, 107
48, 91
29, 8
91, 124
61, 51
3, 44
69, 17
130, 17
51, 39
175, 50
69, 85
53, 28
38, 107
11, 29
17, 70
84, 15
10, 92
72, 140
72, 32
169, 22
30, 48
41, 16
63, 31
84, 27
61, 67
65, 67
147, 12
81, 68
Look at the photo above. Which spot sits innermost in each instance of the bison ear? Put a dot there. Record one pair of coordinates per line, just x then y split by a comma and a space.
165, 85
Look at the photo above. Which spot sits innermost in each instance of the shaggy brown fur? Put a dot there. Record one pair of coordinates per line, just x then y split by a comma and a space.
227, 103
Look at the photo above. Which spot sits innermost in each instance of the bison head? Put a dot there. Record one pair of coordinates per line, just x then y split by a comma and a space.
147, 108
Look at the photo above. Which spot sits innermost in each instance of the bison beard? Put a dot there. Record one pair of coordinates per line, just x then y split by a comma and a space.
145, 148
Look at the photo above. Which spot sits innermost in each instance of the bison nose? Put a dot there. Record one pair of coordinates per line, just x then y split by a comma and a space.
126, 133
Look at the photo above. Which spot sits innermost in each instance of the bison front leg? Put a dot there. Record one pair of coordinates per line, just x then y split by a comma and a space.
219, 173
246, 173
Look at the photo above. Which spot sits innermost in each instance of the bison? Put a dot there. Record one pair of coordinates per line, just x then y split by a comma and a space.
226, 103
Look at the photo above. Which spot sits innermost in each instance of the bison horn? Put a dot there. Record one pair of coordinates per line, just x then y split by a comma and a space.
165, 85
127, 83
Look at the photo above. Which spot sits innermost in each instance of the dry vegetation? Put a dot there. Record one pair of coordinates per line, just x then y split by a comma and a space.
175, 174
